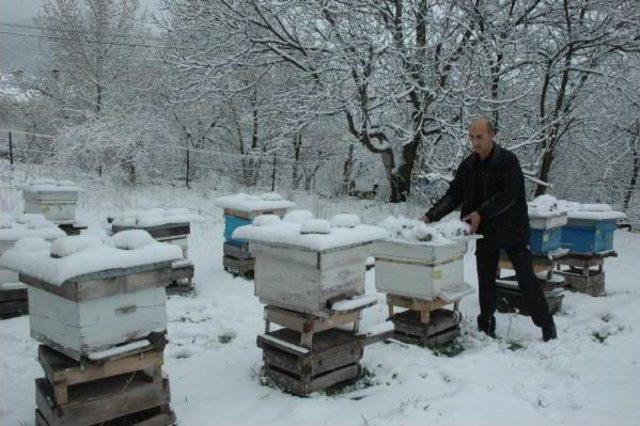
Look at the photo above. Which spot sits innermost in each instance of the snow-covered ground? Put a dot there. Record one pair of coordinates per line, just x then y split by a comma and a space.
589, 376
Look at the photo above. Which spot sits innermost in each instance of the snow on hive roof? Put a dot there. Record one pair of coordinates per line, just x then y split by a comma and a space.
28, 225
414, 231
546, 206
248, 203
155, 217
81, 256
289, 233
549, 206
50, 185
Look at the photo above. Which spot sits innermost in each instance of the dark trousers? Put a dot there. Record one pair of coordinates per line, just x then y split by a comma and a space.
487, 257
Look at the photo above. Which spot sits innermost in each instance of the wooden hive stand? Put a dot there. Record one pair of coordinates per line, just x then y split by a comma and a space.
238, 261
585, 272
14, 300
343, 312
424, 322
182, 272
129, 390
334, 358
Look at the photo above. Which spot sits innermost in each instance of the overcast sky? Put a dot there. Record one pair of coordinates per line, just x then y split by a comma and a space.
20, 10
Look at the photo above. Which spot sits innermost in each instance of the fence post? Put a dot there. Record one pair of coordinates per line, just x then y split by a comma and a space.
273, 175
10, 149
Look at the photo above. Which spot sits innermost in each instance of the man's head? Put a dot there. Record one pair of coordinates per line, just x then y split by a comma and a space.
481, 134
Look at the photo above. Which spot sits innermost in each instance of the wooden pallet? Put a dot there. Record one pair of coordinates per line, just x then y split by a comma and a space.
582, 280
444, 326
64, 373
103, 400
541, 263
510, 300
182, 273
335, 358
157, 416
308, 325
13, 301
423, 307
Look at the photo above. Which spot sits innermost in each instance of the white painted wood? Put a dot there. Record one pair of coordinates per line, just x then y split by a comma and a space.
417, 270
548, 222
52, 210
306, 281
97, 324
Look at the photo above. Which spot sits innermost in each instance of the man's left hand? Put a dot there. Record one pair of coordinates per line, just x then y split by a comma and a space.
473, 219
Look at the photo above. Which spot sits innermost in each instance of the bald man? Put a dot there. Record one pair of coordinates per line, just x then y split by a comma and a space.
489, 188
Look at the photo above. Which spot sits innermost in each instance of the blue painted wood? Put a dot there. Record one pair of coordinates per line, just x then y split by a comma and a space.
588, 236
230, 224
543, 241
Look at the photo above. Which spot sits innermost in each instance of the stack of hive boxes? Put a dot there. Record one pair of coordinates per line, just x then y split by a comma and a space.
311, 277
172, 226
546, 220
240, 210
420, 267
588, 236
13, 293
98, 308
56, 200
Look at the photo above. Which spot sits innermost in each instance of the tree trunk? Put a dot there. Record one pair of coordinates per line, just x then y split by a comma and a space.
547, 159
636, 171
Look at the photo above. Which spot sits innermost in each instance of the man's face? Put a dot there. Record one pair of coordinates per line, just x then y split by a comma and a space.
480, 137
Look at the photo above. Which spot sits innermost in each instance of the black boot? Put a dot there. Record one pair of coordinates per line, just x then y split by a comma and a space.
549, 332
487, 325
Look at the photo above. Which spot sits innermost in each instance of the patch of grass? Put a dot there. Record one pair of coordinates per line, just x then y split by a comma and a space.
366, 380
599, 337
514, 345
449, 350
226, 337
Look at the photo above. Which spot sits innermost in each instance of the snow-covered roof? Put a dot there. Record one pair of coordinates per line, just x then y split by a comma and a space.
248, 203
414, 231
84, 254
28, 225
155, 217
311, 234
50, 185
549, 206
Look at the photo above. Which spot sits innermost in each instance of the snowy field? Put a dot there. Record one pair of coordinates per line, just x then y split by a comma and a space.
589, 376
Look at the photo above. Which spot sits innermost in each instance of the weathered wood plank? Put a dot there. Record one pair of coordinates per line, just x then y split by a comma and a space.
94, 404
14, 308
305, 387
408, 322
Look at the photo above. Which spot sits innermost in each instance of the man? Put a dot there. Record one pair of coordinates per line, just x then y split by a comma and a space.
489, 187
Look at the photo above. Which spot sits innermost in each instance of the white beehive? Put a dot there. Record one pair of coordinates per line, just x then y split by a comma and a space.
95, 296
306, 266
308, 281
56, 200
421, 270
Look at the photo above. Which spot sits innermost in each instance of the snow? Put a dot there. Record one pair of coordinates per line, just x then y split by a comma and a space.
50, 185
118, 350
549, 206
315, 226
378, 329
286, 344
155, 217
64, 246
31, 244
297, 216
249, 203
97, 232
312, 234
123, 250
415, 231
345, 220
266, 219
589, 376
130, 240
29, 225
354, 303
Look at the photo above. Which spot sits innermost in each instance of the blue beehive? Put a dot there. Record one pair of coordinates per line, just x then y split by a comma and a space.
543, 241
588, 236
546, 232
230, 225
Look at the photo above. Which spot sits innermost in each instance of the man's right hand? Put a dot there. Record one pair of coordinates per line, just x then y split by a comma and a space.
425, 219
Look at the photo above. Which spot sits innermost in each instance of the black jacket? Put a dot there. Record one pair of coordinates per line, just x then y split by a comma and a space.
504, 213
